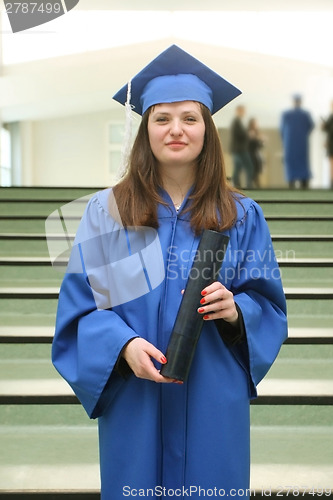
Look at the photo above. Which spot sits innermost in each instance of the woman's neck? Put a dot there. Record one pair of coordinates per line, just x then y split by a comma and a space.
177, 182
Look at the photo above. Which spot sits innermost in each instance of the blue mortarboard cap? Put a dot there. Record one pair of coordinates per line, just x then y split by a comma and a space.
176, 76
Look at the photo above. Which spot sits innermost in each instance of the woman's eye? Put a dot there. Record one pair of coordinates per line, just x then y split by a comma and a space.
190, 119
161, 119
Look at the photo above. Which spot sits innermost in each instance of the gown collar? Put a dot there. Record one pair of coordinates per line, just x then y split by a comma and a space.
170, 210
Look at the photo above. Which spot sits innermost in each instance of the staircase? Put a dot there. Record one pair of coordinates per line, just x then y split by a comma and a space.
49, 447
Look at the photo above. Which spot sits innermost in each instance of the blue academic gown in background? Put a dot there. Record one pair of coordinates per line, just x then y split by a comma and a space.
155, 436
296, 126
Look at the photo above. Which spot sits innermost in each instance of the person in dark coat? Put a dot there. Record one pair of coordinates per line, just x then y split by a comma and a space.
296, 126
239, 147
327, 126
255, 146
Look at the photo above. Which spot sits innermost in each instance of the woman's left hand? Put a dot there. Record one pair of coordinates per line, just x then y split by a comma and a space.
218, 303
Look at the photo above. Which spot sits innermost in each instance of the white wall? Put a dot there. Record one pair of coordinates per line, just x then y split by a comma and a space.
71, 151
63, 123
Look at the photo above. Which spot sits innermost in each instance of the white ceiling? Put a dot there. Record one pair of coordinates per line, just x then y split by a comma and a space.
85, 83
231, 5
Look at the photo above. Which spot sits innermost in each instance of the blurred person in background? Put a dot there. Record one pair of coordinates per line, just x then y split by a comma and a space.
327, 126
239, 147
255, 145
296, 126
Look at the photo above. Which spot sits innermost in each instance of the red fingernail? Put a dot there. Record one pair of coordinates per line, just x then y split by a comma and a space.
163, 359
201, 310
206, 317
203, 292
202, 301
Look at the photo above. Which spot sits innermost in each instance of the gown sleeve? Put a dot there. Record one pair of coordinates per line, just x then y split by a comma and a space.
88, 339
258, 293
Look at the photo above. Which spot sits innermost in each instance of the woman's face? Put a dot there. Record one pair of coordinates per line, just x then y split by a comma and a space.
176, 133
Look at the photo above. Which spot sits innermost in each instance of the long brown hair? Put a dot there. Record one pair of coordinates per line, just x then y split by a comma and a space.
212, 200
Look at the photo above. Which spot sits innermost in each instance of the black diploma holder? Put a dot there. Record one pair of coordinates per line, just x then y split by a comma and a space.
187, 328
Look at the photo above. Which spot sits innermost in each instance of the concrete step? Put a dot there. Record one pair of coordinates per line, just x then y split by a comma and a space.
308, 310
12, 235
26, 334
69, 481
43, 208
63, 416
299, 226
44, 335
275, 217
55, 451
23, 235
298, 454
309, 336
38, 272
287, 247
278, 225
60, 494
297, 209
22, 361
308, 293
289, 195
28, 312
29, 293
305, 262
285, 368
70, 193
270, 391
46, 457
52, 293
283, 262
58, 194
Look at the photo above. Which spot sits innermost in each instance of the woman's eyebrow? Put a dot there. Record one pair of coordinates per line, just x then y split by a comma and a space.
188, 112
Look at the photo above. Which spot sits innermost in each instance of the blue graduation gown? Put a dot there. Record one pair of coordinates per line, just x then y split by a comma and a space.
296, 126
166, 435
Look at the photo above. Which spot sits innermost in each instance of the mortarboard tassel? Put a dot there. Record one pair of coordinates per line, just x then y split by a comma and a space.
127, 140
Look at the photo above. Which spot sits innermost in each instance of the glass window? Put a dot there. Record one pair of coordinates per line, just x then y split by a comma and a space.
115, 138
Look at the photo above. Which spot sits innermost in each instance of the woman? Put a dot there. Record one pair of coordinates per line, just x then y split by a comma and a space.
327, 126
255, 145
120, 297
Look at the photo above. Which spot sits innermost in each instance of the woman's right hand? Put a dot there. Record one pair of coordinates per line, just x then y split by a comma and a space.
138, 354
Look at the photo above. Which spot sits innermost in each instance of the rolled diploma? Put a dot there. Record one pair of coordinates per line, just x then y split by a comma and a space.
187, 328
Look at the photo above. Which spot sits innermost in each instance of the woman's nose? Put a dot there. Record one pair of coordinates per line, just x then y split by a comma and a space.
176, 128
